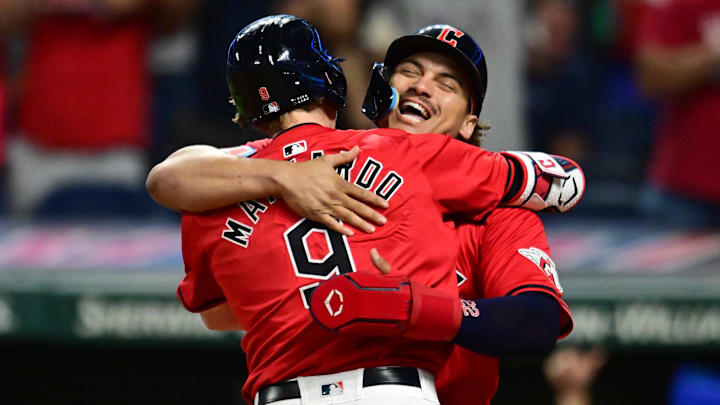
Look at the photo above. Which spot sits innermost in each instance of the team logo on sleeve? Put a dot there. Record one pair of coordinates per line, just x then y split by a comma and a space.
544, 262
293, 149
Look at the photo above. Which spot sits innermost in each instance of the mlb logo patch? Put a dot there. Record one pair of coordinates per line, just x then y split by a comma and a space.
293, 149
332, 389
271, 107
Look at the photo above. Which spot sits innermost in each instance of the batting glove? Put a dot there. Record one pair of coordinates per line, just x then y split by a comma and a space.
546, 182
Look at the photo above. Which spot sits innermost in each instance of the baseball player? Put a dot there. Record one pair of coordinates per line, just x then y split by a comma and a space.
290, 149
504, 270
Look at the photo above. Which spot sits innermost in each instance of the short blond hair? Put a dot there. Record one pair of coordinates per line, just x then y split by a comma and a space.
478, 133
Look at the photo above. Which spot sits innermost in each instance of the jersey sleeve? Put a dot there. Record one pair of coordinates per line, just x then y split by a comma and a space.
515, 258
467, 180
198, 291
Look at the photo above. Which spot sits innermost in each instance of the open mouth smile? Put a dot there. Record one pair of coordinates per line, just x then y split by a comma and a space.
414, 111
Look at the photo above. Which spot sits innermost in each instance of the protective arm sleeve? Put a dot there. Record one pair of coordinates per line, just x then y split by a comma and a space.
375, 305
527, 324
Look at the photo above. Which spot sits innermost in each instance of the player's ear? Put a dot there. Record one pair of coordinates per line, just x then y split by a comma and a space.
468, 126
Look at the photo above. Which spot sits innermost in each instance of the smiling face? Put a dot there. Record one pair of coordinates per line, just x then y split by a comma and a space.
434, 97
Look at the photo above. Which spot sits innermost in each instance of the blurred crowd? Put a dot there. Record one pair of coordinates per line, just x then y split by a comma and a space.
575, 374
95, 92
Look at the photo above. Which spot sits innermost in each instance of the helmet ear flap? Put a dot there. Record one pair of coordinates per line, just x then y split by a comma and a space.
336, 88
380, 97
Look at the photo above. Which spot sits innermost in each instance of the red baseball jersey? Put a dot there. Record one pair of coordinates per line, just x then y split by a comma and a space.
265, 259
687, 147
503, 255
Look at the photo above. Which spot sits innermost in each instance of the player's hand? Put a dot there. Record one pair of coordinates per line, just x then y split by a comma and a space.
314, 190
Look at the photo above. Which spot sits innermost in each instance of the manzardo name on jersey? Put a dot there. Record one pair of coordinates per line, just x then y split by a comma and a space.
370, 177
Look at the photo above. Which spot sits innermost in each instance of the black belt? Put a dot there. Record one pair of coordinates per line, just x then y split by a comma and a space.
371, 376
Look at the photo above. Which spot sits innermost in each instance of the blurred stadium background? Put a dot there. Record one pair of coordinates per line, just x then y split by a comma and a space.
95, 92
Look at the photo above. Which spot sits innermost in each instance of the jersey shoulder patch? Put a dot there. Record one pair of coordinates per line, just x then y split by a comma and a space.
543, 261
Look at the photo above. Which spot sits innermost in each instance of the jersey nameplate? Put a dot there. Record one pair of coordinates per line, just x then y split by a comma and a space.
371, 176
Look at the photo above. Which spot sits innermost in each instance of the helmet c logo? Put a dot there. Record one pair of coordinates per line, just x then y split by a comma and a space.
449, 35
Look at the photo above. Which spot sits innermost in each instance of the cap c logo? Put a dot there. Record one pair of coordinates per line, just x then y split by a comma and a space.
449, 35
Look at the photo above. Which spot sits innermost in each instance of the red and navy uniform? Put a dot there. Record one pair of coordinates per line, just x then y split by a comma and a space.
504, 255
264, 259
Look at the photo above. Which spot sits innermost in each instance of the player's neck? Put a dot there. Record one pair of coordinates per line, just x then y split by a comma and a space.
321, 114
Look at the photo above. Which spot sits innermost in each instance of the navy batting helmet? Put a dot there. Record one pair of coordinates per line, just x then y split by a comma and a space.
380, 98
278, 63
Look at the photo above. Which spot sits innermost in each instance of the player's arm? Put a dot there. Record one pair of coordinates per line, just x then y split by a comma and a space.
527, 324
470, 181
515, 259
200, 178
523, 313
199, 291
507, 261
377, 305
